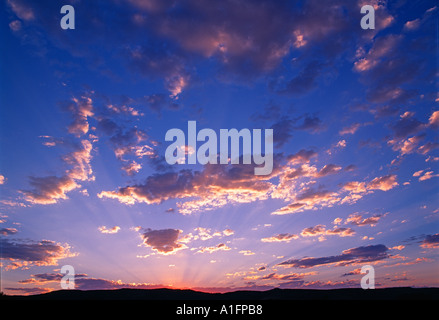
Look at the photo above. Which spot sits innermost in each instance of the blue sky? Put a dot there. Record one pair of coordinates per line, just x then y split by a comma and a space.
84, 113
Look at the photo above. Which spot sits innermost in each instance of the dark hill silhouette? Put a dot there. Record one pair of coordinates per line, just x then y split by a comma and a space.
402, 293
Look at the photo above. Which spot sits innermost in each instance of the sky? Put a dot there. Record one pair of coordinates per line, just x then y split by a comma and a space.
84, 112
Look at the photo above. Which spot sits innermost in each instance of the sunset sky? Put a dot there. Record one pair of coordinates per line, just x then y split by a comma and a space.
83, 118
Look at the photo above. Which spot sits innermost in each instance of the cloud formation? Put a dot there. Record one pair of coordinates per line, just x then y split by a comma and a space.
23, 253
282, 237
214, 186
50, 189
431, 241
351, 256
162, 241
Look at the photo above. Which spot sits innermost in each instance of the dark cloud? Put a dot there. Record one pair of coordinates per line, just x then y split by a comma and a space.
305, 80
347, 257
282, 131
20, 253
406, 125
431, 241
311, 123
163, 241
41, 278
48, 190
163, 39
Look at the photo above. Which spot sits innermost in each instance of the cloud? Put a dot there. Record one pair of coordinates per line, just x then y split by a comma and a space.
79, 160
406, 125
8, 231
307, 198
428, 175
428, 147
131, 168
2, 179
247, 252
22, 11
328, 169
81, 109
285, 277
316, 231
104, 229
433, 121
163, 241
84, 282
204, 234
353, 272
213, 187
305, 81
50, 189
42, 278
123, 109
282, 237
302, 156
413, 24
357, 219
383, 183
351, 256
282, 131
218, 247
24, 253
27, 291
381, 48
431, 241
321, 231
409, 145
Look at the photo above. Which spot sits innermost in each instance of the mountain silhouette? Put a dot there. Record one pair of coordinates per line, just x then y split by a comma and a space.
400, 293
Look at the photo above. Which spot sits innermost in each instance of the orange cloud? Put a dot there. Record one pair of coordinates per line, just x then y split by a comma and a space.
81, 109
104, 229
50, 189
